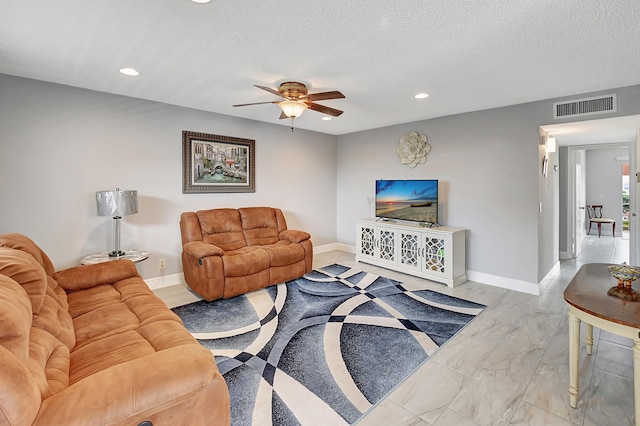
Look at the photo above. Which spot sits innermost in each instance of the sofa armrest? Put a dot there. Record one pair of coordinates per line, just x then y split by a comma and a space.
294, 236
198, 249
86, 276
131, 392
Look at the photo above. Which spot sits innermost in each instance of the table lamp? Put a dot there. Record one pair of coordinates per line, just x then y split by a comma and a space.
117, 204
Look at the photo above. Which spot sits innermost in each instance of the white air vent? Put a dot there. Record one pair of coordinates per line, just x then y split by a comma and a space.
585, 106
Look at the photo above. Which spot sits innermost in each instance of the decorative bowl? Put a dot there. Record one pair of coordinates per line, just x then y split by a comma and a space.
625, 274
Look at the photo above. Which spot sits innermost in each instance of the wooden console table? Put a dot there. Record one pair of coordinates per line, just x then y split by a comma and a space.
588, 301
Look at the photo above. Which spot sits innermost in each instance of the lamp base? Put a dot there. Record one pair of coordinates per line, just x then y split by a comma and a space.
118, 253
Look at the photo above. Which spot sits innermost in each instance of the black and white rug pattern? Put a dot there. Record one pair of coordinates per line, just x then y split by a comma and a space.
325, 348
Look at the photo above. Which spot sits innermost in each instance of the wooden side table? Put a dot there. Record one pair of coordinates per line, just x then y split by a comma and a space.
588, 301
134, 255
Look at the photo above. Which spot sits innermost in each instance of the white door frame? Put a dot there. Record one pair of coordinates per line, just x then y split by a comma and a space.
572, 207
634, 203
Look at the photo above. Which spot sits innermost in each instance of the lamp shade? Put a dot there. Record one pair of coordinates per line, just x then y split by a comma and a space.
117, 203
292, 109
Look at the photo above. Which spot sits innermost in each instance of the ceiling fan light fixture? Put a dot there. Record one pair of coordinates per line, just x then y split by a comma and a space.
292, 109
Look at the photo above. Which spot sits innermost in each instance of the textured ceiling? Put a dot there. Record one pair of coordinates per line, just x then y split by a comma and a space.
468, 54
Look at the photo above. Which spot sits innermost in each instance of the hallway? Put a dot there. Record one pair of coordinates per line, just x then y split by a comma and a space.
604, 249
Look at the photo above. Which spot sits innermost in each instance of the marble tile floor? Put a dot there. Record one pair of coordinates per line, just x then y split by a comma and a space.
510, 365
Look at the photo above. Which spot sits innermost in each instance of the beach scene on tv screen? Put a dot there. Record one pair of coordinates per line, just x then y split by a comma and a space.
413, 200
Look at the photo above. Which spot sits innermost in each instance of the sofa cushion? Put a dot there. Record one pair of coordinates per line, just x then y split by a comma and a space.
15, 317
20, 397
260, 225
48, 362
106, 352
48, 301
87, 276
118, 323
284, 253
246, 261
25, 244
24, 269
222, 227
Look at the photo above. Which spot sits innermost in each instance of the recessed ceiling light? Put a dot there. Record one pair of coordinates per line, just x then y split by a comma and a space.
421, 95
326, 118
201, 1
129, 71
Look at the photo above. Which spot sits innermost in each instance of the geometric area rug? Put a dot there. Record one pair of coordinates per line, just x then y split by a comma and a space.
324, 348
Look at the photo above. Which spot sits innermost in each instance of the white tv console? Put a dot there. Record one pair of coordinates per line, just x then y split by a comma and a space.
436, 253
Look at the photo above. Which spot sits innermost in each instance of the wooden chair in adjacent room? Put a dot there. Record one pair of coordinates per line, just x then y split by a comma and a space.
595, 216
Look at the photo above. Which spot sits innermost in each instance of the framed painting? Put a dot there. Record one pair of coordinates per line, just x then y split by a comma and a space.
213, 163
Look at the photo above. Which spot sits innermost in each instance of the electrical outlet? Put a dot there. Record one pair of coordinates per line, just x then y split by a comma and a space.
163, 264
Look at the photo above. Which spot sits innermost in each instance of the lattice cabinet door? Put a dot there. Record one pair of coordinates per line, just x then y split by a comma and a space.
410, 248
435, 254
366, 241
387, 245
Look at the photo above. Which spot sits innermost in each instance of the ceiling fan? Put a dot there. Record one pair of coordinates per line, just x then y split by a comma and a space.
297, 99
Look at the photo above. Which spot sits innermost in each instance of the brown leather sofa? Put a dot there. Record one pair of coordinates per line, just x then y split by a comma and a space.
92, 345
227, 252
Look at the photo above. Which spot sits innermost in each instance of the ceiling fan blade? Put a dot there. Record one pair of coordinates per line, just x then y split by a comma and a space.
325, 95
257, 103
324, 109
270, 90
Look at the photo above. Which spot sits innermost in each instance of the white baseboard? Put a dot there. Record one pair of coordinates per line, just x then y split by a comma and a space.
165, 281
565, 255
555, 269
503, 282
334, 246
479, 277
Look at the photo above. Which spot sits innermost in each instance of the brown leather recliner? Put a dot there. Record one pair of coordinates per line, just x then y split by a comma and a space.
227, 252
93, 345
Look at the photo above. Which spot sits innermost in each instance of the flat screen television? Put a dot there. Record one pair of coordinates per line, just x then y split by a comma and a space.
412, 200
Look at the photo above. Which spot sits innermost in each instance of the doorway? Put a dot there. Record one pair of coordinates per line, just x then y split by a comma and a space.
598, 173
580, 137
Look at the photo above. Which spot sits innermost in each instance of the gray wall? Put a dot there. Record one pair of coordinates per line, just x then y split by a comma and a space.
489, 167
59, 144
484, 162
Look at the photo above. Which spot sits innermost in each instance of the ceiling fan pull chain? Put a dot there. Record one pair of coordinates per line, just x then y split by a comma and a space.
292, 124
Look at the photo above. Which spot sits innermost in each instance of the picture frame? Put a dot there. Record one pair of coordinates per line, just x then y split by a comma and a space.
217, 164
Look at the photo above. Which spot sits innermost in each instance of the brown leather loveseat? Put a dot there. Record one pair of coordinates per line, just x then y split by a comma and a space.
227, 252
92, 345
